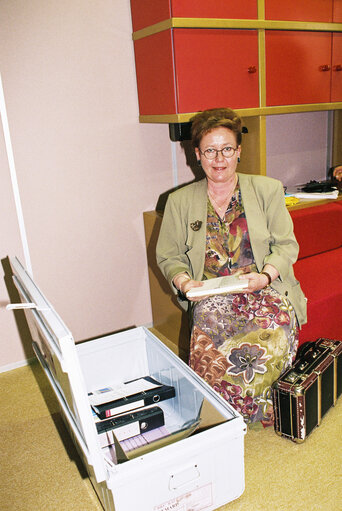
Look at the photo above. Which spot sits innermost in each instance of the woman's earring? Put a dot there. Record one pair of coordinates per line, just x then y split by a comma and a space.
199, 163
238, 159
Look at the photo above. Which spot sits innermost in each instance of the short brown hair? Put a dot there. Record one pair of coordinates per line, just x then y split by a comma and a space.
208, 120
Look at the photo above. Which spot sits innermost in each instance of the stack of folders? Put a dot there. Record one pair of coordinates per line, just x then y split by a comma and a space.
129, 411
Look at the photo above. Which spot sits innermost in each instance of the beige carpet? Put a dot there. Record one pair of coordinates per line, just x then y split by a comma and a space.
41, 471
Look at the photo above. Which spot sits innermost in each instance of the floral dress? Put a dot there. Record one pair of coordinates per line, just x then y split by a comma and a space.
240, 343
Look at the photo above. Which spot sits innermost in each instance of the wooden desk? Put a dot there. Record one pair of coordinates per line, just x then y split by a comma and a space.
306, 203
168, 318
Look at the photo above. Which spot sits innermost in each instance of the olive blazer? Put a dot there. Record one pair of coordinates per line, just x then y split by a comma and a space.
182, 239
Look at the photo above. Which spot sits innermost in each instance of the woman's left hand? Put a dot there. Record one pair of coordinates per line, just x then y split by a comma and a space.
256, 281
338, 173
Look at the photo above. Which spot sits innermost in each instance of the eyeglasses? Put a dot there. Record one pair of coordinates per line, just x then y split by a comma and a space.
211, 154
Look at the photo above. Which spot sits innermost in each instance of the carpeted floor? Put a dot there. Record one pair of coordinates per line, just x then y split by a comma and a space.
41, 471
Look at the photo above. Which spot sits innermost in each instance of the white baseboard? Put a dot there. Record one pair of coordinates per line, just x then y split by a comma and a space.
148, 325
16, 365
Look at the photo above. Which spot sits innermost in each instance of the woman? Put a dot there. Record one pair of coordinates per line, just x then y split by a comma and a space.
232, 223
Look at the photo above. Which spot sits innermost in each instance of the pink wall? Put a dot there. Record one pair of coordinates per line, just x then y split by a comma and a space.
297, 146
86, 168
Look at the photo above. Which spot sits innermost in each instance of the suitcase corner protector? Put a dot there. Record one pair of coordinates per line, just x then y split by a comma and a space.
298, 440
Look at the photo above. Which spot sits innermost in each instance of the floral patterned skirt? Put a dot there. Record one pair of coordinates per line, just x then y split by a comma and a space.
240, 344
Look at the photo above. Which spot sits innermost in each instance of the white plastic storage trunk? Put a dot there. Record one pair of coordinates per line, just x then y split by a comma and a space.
200, 472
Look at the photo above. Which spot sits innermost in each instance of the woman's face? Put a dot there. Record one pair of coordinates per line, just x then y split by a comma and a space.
220, 169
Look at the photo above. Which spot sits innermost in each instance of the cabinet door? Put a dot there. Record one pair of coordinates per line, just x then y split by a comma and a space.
297, 67
149, 12
216, 68
155, 74
336, 78
299, 10
337, 12
215, 9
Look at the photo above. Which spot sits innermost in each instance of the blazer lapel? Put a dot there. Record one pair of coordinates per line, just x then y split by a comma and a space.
196, 228
256, 220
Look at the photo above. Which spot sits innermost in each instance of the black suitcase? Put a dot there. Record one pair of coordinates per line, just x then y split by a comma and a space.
306, 391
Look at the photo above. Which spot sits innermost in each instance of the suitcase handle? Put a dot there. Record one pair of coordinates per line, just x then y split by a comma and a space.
309, 360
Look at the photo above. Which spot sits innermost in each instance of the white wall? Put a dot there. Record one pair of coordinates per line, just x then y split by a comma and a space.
86, 168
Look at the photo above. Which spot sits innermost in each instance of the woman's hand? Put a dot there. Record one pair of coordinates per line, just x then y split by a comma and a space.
338, 173
184, 283
189, 285
257, 281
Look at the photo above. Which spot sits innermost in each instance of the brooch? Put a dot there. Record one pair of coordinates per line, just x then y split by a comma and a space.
195, 226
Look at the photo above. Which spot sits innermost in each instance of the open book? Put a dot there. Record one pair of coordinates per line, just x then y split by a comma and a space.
217, 286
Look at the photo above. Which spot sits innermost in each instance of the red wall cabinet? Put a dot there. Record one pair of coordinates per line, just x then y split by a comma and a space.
301, 69
299, 10
149, 12
187, 70
184, 70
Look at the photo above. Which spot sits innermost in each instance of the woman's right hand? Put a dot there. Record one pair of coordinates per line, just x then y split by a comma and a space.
189, 285
184, 283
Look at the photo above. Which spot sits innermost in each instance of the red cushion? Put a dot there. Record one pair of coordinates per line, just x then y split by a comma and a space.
318, 228
320, 279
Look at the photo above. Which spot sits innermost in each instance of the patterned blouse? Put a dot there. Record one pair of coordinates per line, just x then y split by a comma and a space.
228, 247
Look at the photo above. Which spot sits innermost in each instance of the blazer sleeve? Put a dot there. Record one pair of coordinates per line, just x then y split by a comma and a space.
283, 246
171, 246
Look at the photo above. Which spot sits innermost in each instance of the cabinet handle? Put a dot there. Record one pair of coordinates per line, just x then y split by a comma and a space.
252, 69
338, 67
325, 67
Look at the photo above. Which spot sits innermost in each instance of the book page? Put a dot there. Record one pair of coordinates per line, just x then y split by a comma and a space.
218, 285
